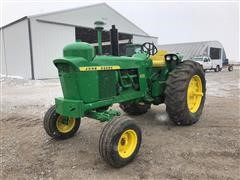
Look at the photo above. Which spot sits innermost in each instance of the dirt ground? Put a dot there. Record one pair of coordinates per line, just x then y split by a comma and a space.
210, 149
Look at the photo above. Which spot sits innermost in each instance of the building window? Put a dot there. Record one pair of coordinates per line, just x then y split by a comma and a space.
215, 53
89, 35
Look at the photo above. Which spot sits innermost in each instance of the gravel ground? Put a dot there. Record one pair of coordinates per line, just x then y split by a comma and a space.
210, 149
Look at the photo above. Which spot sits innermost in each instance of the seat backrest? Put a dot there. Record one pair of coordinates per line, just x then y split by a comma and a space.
159, 58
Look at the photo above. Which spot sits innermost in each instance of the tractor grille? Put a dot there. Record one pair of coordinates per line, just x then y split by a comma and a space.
107, 84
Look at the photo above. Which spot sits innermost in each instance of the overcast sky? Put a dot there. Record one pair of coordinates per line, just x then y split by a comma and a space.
171, 22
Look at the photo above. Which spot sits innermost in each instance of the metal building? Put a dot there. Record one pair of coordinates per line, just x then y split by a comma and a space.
213, 49
31, 43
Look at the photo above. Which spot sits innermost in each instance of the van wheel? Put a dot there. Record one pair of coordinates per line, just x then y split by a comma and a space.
217, 69
230, 68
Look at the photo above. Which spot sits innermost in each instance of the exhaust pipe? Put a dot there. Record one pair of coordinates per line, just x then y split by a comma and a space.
114, 41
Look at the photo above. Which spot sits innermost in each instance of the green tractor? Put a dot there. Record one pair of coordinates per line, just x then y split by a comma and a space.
92, 83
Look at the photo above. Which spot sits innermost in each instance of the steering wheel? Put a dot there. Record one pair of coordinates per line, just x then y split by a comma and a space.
149, 48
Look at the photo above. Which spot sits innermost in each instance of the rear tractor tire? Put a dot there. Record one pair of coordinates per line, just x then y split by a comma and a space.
185, 93
120, 141
135, 108
58, 126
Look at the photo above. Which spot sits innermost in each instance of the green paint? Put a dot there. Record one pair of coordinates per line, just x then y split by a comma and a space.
79, 49
103, 116
90, 92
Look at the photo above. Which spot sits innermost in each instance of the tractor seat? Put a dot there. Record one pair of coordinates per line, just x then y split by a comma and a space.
158, 59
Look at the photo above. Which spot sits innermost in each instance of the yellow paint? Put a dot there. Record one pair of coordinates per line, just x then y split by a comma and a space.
194, 94
65, 127
127, 143
159, 58
98, 68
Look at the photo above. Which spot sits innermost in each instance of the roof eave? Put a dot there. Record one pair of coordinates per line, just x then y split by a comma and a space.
14, 22
66, 10
61, 11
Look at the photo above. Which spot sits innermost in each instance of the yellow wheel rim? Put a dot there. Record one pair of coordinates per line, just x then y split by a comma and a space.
65, 124
127, 143
194, 94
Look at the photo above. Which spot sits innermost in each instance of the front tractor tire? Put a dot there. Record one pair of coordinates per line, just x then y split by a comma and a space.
185, 93
135, 108
120, 141
58, 126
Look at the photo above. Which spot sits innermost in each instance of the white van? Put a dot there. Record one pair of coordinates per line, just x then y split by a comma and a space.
209, 64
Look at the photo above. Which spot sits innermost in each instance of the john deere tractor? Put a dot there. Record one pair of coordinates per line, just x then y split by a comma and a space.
92, 83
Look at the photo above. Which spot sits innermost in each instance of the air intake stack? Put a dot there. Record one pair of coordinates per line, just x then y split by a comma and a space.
99, 26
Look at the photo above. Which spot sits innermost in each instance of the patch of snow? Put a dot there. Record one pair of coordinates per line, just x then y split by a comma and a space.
224, 86
2, 76
20, 81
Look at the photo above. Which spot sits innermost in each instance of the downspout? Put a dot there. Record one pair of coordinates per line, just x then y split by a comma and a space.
31, 49
4, 52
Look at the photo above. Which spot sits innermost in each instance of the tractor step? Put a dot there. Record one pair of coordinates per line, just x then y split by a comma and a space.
103, 116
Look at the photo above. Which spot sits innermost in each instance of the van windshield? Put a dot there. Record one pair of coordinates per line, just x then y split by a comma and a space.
198, 58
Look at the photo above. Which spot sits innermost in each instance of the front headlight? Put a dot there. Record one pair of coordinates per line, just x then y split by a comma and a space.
174, 57
168, 58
